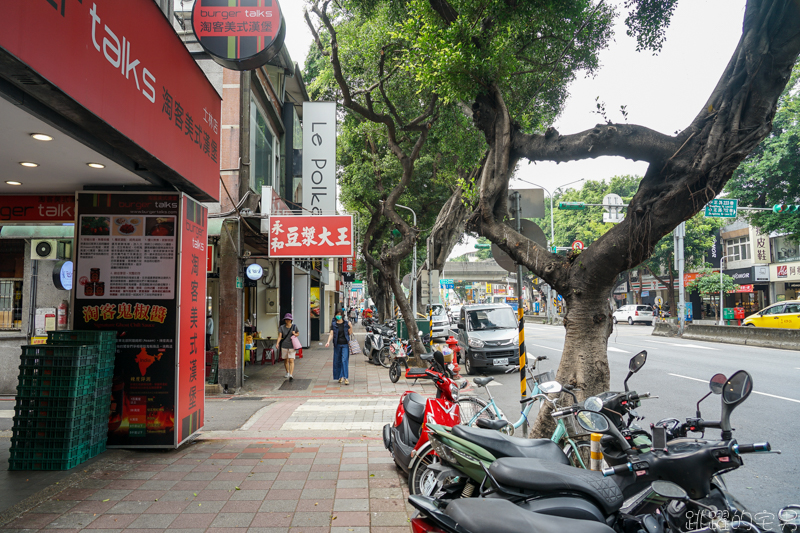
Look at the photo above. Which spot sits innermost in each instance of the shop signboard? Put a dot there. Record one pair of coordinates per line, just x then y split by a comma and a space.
722, 207
714, 252
55, 209
349, 264
239, 34
740, 275
792, 285
761, 247
319, 157
311, 236
761, 273
210, 259
124, 64
138, 273
785, 272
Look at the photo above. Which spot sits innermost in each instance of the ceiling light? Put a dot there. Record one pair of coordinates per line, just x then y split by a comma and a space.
96, 165
41, 137
28, 164
10, 182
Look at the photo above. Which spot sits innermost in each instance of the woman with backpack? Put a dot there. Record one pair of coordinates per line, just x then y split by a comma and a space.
341, 330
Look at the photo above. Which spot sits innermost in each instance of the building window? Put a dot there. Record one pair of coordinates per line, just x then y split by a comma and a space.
10, 303
262, 165
738, 249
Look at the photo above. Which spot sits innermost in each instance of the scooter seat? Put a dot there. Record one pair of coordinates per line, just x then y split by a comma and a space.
541, 476
426, 357
414, 405
501, 445
481, 382
496, 425
502, 516
416, 373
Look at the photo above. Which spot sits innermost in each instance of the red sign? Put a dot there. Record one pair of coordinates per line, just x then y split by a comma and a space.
123, 62
691, 276
311, 236
577, 245
192, 320
29, 208
349, 264
210, 258
239, 37
744, 288
783, 271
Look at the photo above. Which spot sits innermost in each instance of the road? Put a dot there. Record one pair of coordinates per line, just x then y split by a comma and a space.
678, 371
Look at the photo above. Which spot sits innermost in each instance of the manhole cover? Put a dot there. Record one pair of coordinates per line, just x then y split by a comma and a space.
298, 384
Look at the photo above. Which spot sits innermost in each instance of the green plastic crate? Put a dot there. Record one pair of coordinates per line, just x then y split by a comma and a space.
65, 424
52, 350
44, 439
38, 464
37, 402
68, 456
102, 410
58, 362
81, 336
98, 432
64, 373
56, 412
50, 391
96, 449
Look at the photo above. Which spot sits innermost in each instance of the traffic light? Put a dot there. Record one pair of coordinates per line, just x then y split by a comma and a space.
784, 208
572, 206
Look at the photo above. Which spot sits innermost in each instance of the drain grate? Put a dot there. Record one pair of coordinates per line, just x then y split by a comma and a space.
298, 384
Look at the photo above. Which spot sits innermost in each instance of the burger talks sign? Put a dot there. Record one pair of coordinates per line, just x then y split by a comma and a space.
239, 34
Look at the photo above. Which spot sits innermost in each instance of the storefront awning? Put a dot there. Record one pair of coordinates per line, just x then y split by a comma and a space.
215, 226
37, 232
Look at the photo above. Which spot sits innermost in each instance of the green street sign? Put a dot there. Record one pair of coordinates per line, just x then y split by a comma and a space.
239, 282
572, 206
483, 246
722, 207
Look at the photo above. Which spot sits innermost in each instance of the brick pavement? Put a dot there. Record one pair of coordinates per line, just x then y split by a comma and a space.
309, 461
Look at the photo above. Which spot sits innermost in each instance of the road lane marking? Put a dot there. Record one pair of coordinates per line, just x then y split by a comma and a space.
545, 347
754, 392
612, 349
682, 345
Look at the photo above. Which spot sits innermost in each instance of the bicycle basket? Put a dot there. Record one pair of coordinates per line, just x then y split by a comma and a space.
574, 430
550, 375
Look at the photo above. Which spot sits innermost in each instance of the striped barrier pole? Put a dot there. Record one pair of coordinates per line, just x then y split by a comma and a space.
597, 453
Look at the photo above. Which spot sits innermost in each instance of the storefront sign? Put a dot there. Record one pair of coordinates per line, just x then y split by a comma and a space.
124, 63
761, 273
314, 302
787, 248
782, 271
740, 275
792, 285
62, 275
714, 252
254, 272
319, 157
349, 264
761, 246
621, 288
239, 34
785, 272
30, 208
744, 288
138, 256
210, 258
311, 236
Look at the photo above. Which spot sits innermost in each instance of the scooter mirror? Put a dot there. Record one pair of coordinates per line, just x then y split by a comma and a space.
717, 383
637, 361
550, 387
737, 388
592, 422
669, 490
593, 403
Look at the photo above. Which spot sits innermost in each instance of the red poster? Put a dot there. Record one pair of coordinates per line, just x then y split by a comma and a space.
349, 264
35, 208
311, 236
123, 62
191, 319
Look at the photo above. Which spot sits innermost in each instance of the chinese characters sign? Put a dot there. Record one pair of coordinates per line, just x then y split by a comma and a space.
722, 207
239, 34
122, 62
311, 236
761, 246
349, 264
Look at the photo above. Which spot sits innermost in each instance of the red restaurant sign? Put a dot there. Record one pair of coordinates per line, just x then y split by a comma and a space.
123, 62
30, 208
311, 236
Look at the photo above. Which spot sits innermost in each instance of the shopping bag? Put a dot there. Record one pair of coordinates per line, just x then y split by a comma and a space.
355, 349
296, 343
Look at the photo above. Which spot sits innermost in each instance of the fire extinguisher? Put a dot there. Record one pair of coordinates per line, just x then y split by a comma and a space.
61, 314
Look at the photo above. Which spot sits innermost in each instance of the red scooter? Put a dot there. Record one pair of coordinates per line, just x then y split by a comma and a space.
407, 438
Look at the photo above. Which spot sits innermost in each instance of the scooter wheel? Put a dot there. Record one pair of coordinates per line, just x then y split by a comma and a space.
394, 372
421, 480
383, 357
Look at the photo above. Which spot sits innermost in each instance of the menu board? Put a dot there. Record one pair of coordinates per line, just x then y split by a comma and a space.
126, 259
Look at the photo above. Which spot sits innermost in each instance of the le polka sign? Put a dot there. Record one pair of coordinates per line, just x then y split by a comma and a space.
311, 236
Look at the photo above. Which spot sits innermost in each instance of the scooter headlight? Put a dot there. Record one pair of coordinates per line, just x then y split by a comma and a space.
454, 392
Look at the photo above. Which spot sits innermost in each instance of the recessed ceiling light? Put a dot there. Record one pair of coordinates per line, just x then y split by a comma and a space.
96, 165
10, 182
28, 164
41, 137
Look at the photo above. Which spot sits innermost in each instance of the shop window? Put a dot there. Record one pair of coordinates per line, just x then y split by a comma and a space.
10, 304
738, 249
262, 164
786, 248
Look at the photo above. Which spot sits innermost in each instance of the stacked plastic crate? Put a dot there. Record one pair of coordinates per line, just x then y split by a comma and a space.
63, 400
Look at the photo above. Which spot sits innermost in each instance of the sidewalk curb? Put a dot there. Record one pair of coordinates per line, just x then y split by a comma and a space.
109, 457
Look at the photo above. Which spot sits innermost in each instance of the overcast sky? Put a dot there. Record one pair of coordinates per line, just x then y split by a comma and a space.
662, 92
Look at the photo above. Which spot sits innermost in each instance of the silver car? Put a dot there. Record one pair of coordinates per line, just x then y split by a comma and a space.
488, 335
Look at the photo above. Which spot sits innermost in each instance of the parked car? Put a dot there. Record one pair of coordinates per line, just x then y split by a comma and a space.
488, 335
780, 315
441, 322
454, 311
634, 313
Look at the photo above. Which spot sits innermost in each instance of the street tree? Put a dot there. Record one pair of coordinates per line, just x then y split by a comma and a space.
513, 58
708, 283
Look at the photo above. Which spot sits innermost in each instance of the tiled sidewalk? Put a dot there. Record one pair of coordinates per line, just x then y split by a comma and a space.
234, 487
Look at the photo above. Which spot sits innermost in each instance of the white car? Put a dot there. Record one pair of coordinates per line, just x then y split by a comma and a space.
634, 313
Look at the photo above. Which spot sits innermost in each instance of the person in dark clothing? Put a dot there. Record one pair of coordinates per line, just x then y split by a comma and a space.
341, 330
285, 334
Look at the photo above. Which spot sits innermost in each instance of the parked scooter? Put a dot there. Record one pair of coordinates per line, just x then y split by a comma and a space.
407, 438
376, 346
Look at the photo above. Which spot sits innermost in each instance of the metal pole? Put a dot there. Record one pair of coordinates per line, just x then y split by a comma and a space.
679, 252
721, 293
523, 384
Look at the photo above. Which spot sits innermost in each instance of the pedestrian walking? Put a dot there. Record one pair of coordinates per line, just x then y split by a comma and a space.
353, 315
287, 341
341, 330
209, 331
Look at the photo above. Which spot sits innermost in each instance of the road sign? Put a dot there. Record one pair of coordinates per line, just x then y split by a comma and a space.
659, 300
529, 230
613, 214
722, 207
446, 284
572, 206
530, 200
483, 246
577, 245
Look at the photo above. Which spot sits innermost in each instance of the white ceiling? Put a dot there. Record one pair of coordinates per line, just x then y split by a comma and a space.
62, 161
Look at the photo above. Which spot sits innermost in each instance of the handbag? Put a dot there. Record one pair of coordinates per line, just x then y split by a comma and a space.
296, 343
355, 349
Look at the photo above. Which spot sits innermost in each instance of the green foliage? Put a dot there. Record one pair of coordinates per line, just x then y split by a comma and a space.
459, 259
484, 253
699, 239
771, 174
647, 21
707, 283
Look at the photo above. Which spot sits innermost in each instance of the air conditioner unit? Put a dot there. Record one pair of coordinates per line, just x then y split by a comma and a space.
44, 249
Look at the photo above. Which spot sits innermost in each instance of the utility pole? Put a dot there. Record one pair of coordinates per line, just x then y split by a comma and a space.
679, 234
523, 384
